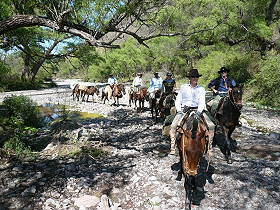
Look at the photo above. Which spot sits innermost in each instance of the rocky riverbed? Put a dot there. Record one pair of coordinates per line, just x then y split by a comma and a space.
134, 170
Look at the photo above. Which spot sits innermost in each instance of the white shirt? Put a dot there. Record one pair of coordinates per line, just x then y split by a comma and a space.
112, 81
190, 96
137, 82
156, 83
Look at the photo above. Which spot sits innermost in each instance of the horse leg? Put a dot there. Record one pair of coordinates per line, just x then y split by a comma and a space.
227, 146
180, 172
78, 95
129, 100
189, 191
233, 143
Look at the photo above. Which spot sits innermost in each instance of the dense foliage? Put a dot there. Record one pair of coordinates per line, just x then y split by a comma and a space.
19, 118
206, 34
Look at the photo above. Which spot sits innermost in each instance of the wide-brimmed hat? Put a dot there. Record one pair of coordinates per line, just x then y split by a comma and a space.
139, 74
168, 74
110, 75
155, 73
193, 73
223, 69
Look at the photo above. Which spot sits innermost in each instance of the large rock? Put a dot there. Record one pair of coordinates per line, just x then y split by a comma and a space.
86, 201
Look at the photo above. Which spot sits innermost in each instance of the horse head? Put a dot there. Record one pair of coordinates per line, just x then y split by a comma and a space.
97, 90
193, 144
143, 92
235, 95
119, 90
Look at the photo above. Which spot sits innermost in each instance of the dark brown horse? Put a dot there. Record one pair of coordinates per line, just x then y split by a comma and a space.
118, 92
229, 111
89, 90
166, 101
139, 96
192, 146
154, 103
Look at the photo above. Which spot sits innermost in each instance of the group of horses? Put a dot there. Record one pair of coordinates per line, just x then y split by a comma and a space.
79, 91
192, 142
160, 105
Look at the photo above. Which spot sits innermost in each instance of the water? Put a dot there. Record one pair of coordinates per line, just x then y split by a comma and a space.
51, 112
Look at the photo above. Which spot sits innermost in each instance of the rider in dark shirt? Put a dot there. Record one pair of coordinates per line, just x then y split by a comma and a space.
220, 87
169, 84
222, 84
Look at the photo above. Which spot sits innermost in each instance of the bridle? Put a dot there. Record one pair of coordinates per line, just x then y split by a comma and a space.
187, 170
233, 101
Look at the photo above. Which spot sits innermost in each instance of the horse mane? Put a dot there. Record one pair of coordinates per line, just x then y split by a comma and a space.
192, 124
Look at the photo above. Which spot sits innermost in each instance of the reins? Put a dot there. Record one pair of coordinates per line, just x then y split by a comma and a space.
232, 101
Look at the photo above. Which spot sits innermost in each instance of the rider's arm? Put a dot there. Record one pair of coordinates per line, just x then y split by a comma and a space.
151, 82
212, 85
134, 81
178, 101
201, 102
233, 83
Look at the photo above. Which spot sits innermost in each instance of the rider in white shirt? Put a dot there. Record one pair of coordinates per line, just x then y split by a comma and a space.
190, 95
155, 85
137, 82
111, 81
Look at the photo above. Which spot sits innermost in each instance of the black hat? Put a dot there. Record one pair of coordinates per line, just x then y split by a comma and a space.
223, 69
139, 73
110, 75
155, 73
168, 74
193, 73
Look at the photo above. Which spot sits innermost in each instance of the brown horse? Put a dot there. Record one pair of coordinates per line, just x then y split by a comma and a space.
89, 90
76, 92
229, 111
140, 96
192, 146
154, 104
118, 92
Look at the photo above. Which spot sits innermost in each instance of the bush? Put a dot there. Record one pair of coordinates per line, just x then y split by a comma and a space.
17, 145
265, 85
22, 108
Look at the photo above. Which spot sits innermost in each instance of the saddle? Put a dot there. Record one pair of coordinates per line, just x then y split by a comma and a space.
189, 110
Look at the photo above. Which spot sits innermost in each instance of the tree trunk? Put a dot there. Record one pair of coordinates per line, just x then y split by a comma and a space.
270, 11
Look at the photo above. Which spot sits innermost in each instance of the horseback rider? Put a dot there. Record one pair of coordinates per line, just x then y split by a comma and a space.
112, 81
220, 87
137, 82
155, 85
168, 87
168, 84
190, 96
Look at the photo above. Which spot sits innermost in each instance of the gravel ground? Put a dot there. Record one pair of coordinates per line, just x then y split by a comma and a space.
137, 173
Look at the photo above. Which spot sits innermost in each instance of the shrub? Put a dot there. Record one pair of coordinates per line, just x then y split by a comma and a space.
23, 108
265, 85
